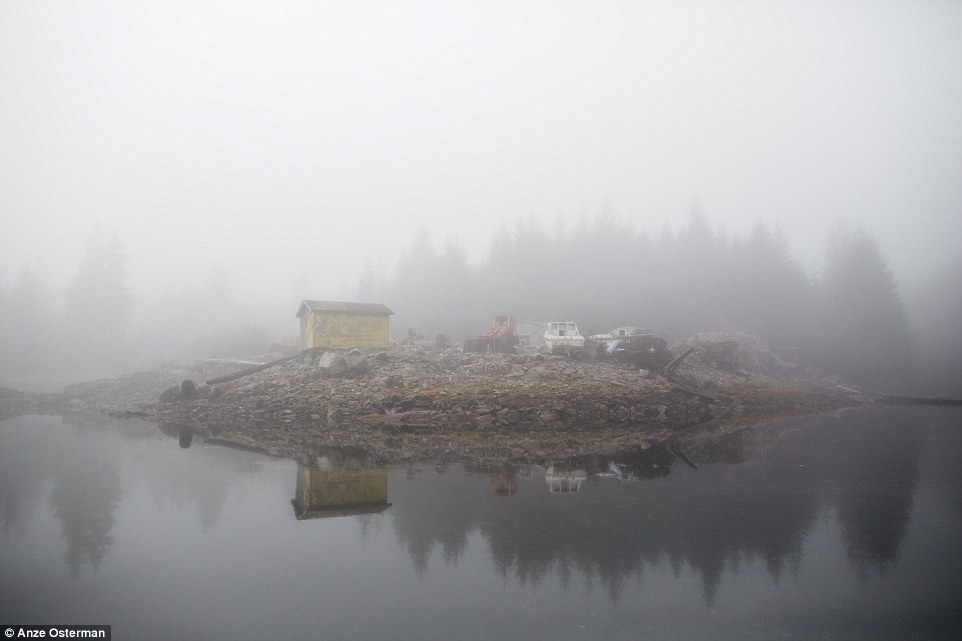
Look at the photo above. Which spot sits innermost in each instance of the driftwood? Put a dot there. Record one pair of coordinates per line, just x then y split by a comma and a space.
251, 370
668, 375
670, 367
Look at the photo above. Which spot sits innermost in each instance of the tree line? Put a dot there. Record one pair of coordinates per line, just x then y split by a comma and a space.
43, 331
96, 326
848, 320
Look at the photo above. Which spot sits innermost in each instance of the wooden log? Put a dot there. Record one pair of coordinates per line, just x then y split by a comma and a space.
670, 367
251, 370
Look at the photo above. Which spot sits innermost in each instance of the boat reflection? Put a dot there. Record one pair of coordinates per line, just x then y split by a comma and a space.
563, 480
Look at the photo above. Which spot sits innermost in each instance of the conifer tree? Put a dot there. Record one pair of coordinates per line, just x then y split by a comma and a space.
97, 305
27, 328
863, 330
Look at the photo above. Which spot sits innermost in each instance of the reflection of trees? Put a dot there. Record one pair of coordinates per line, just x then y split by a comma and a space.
713, 520
182, 481
612, 530
870, 469
86, 489
438, 511
85, 493
23, 470
86, 485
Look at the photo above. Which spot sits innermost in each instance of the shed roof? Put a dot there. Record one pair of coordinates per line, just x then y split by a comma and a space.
302, 514
370, 309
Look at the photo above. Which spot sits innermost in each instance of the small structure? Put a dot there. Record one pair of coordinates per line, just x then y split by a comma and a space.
338, 325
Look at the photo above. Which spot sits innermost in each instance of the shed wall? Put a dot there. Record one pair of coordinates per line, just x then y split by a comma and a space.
338, 330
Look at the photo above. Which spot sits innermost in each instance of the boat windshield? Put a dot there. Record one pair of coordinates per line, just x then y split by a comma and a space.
563, 329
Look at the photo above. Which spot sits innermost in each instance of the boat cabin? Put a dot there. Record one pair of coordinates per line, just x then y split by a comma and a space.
561, 337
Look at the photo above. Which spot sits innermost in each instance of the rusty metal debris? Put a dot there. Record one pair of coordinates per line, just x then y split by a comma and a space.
502, 338
641, 351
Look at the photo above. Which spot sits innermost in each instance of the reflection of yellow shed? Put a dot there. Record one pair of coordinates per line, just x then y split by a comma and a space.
339, 492
339, 325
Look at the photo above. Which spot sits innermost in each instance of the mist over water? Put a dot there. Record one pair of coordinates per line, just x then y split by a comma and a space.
840, 525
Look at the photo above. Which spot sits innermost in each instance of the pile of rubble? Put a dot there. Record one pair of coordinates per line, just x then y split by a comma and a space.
114, 394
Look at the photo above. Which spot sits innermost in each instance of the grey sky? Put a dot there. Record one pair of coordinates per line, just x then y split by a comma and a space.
301, 137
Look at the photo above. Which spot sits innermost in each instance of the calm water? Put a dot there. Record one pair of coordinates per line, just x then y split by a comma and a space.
840, 527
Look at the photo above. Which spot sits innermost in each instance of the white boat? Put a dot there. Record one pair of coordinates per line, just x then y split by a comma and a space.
614, 338
618, 333
563, 337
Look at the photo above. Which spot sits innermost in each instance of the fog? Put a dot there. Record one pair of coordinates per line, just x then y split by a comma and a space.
235, 157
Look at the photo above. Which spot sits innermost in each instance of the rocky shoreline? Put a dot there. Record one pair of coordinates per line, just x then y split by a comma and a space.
417, 403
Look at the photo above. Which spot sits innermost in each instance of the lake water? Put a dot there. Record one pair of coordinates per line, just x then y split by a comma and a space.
847, 526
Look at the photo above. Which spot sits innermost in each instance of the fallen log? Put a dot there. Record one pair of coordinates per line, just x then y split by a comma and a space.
251, 370
670, 367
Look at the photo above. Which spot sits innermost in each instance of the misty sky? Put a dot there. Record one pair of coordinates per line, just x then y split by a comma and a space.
284, 138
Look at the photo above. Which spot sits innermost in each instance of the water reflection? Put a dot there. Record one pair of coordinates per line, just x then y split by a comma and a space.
86, 490
649, 511
646, 506
84, 483
852, 500
611, 530
339, 485
183, 433
79, 473
23, 472
869, 472
564, 479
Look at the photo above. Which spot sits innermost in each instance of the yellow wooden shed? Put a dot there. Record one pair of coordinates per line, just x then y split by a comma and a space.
339, 325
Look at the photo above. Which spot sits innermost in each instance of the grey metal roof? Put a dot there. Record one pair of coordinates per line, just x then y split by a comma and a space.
371, 309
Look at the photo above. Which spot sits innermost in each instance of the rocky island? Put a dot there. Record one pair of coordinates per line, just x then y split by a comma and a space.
416, 401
